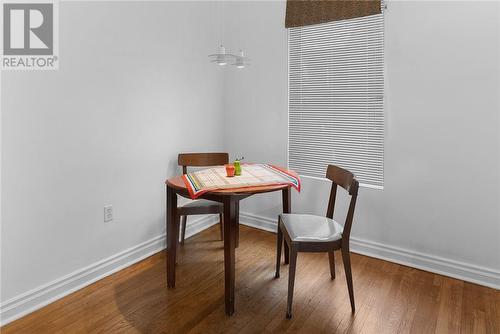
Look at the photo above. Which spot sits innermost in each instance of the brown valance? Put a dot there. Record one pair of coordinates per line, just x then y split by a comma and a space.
306, 12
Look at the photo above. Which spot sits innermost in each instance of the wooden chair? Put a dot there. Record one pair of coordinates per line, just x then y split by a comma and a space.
310, 233
201, 206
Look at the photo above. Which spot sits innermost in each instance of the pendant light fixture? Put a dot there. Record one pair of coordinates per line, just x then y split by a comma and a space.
222, 58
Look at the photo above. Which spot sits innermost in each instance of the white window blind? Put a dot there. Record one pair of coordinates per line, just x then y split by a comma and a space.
336, 87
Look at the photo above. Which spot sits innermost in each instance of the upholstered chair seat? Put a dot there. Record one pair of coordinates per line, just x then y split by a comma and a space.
311, 228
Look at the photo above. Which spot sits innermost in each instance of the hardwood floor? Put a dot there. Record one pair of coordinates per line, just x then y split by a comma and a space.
390, 298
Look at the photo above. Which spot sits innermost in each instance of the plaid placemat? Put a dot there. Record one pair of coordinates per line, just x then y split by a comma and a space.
252, 175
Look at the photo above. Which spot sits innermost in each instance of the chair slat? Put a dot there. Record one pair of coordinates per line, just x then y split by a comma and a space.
202, 159
340, 176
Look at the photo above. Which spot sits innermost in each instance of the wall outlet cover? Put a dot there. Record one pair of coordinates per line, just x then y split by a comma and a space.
108, 213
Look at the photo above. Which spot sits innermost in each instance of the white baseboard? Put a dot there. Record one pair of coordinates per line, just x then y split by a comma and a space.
260, 222
439, 265
37, 298
195, 226
460, 270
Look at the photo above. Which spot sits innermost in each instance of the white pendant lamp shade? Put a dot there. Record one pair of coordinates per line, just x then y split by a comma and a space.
221, 58
240, 60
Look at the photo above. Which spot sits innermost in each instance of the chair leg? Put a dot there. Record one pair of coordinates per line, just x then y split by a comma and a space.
279, 243
183, 223
287, 254
221, 221
348, 275
291, 280
331, 257
178, 245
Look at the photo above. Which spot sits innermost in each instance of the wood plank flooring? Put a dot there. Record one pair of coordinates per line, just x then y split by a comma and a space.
390, 298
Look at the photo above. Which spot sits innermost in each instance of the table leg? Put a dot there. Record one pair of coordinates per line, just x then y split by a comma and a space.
237, 225
172, 221
230, 221
287, 202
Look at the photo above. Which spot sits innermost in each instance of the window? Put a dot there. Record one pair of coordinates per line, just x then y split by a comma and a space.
336, 87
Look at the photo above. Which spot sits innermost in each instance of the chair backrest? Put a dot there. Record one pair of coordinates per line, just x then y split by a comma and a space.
347, 180
201, 160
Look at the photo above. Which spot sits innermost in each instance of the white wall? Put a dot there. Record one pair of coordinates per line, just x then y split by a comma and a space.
133, 89
442, 147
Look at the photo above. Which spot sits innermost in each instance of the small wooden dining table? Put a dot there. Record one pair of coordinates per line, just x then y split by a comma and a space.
231, 201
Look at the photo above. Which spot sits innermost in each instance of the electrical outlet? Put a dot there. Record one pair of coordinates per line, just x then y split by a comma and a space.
108, 213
